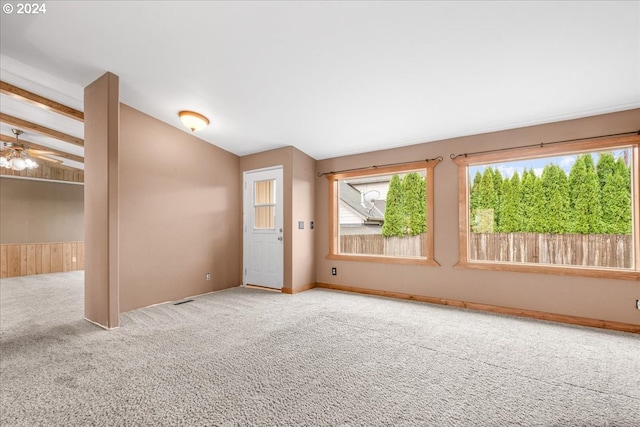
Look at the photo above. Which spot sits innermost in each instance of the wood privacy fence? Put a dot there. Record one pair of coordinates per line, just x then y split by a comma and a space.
376, 244
594, 250
26, 259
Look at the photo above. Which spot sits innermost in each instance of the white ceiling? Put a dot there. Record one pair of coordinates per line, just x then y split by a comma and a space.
336, 78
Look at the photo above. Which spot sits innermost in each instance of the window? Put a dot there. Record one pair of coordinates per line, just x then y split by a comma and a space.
265, 204
383, 214
565, 209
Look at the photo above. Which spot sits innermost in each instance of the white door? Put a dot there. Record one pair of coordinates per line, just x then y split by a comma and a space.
263, 246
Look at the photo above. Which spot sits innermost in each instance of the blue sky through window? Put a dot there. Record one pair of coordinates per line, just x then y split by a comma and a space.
507, 169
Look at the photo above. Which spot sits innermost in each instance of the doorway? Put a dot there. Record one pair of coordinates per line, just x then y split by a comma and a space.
263, 238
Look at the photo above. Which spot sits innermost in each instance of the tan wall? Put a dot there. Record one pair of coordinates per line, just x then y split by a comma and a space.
101, 144
37, 211
605, 299
299, 177
180, 213
303, 209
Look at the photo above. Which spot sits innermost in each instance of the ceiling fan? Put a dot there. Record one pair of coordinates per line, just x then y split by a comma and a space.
19, 156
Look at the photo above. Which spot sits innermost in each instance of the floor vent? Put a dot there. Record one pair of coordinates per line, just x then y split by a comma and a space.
182, 302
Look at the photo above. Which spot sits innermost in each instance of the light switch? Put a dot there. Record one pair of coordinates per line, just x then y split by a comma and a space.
301, 225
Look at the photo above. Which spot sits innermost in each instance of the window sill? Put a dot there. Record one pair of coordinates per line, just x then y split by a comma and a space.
385, 259
550, 269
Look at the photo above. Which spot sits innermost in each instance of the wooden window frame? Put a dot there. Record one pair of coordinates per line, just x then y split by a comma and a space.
428, 166
464, 163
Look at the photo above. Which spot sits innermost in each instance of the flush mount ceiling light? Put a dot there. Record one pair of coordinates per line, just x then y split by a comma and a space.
193, 120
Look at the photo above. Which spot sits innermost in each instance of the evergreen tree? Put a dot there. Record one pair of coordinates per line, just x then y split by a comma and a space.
539, 211
488, 193
606, 166
586, 211
624, 171
555, 212
505, 191
616, 212
516, 187
577, 173
527, 201
510, 205
588, 163
497, 186
414, 203
486, 201
476, 179
473, 200
394, 218
497, 181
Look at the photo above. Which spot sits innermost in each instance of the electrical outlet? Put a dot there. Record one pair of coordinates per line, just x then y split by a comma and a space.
638, 304
208, 276
334, 271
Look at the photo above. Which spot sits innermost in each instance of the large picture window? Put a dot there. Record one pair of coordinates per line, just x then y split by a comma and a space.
566, 209
383, 214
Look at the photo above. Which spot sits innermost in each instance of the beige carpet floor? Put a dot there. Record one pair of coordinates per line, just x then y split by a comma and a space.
246, 357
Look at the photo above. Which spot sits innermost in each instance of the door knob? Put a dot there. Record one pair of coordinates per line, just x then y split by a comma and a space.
280, 238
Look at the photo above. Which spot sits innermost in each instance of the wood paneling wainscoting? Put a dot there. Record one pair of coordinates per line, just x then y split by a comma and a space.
27, 259
48, 172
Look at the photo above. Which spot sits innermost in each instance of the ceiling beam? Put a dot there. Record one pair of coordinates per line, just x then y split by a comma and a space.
40, 101
33, 145
33, 127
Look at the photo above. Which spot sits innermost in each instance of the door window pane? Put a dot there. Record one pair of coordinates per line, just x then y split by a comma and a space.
264, 204
265, 217
265, 192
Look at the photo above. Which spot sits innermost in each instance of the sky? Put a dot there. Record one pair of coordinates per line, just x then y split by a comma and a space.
565, 162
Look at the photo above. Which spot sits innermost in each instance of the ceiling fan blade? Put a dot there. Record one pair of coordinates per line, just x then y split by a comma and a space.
38, 152
48, 159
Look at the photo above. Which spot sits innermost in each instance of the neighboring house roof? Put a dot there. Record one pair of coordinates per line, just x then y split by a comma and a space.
381, 206
371, 179
353, 198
